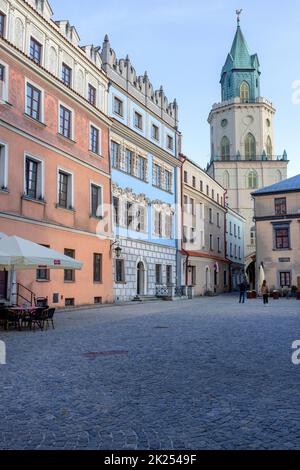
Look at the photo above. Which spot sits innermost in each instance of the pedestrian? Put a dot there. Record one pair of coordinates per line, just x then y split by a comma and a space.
242, 287
265, 292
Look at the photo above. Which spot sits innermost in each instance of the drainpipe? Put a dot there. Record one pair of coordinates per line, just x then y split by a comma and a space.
183, 159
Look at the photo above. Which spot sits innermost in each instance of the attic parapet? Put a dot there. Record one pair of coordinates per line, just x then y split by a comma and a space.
122, 72
68, 31
237, 100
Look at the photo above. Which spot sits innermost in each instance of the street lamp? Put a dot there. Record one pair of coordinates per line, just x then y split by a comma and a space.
117, 250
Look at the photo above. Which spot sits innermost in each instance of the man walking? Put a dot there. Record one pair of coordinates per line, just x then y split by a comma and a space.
243, 288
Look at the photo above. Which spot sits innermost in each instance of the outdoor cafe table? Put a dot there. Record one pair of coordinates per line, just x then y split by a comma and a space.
21, 312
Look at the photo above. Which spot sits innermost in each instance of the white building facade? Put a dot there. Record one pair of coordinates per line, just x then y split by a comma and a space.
235, 247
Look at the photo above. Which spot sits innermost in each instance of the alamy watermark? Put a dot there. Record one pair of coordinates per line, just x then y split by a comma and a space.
296, 353
2, 353
296, 92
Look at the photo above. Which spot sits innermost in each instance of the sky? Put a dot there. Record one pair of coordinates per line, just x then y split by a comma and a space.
183, 46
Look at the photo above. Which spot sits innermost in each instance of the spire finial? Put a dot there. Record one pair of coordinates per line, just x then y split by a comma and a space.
238, 14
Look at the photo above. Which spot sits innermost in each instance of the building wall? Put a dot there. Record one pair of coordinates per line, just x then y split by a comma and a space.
273, 260
235, 243
42, 220
205, 255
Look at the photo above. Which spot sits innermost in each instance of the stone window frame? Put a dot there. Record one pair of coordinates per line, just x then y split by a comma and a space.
62, 104
40, 176
100, 187
4, 149
42, 100
5, 90
99, 152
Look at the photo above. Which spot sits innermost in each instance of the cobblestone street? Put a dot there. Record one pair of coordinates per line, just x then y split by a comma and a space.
201, 374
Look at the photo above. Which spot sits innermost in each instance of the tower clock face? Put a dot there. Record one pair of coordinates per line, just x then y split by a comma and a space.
224, 122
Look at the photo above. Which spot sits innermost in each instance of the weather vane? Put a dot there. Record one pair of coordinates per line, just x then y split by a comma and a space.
238, 14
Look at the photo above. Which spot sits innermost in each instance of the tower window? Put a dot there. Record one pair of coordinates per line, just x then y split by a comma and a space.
225, 148
252, 180
250, 147
244, 92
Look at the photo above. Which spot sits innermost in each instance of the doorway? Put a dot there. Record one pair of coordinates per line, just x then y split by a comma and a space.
3, 284
140, 278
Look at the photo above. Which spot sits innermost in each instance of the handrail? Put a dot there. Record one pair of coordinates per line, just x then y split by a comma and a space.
20, 295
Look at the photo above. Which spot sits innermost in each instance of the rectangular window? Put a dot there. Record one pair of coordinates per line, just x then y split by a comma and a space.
193, 275
280, 206
207, 190
234, 230
129, 215
115, 154
141, 219
66, 74
219, 245
169, 226
92, 94
285, 279
97, 267
168, 181
70, 302
3, 83
94, 140
96, 201
184, 235
138, 120
225, 278
155, 132
193, 238
129, 162
69, 274
31, 178
158, 223
158, 274
211, 245
116, 210
218, 219
230, 228
33, 102
120, 270
64, 190
201, 186
193, 207
97, 300
2, 25
118, 106
194, 181
3, 166
170, 142
43, 274
185, 177
35, 51
213, 193
157, 176
282, 238
65, 122
210, 216
239, 232
231, 250
169, 275
141, 169
240, 257
185, 203
235, 251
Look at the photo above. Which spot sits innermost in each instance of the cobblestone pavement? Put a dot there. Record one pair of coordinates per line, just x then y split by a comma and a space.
201, 374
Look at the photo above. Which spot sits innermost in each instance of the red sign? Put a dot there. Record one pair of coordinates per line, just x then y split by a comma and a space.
57, 262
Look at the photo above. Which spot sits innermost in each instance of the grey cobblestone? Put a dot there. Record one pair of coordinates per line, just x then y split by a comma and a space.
203, 374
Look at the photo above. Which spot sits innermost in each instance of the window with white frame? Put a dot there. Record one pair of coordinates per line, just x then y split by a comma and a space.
158, 274
138, 120
155, 132
158, 223
96, 200
33, 178
156, 175
95, 140
129, 161
140, 221
115, 150
3, 166
170, 142
118, 107
34, 102
35, 52
66, 74
65, 190
3, 81
2, 24
141, 168
193, 235
92, 94
169, 226
193, 206
168, 181
65, 122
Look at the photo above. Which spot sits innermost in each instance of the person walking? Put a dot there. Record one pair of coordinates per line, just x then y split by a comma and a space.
265, 292
243, 288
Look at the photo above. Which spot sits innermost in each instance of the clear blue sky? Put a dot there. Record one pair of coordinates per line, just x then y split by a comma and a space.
183, 46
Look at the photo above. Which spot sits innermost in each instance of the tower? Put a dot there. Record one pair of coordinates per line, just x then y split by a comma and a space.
242, 137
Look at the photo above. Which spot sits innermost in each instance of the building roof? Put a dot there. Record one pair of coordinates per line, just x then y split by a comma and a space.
240, 51
289, 185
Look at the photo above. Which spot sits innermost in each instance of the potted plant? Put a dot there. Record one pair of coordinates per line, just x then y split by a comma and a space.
275, 294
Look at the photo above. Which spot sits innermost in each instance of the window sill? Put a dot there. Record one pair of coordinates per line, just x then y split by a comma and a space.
35, 121
65, 208
94, 154
43, 280
118, 115
67, 139
98, 283
162, 189
130, 174
5, 103
123, 283
4, 190
282, 249
37, 201
69, 282
96, 217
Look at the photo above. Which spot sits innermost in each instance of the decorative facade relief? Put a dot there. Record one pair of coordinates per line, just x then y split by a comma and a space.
19, 33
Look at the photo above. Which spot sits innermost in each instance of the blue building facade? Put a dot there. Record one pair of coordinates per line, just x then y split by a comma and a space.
145, 171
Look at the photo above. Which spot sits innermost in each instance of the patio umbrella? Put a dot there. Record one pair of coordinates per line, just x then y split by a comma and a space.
18, 253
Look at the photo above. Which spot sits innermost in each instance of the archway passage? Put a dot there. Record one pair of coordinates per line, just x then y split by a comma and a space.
140, 278
251, 275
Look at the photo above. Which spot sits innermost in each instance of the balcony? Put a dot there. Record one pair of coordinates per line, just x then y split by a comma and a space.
257, 158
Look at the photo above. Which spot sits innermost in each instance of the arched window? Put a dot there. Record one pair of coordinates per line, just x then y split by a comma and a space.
244, 92
250, 147
225, 148
226, 180
252, 179
269, 147
278, 176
